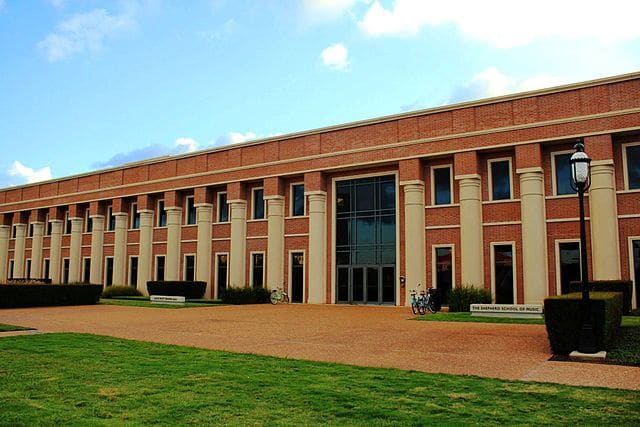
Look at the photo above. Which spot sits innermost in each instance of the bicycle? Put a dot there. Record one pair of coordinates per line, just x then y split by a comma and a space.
423, 302
279, 295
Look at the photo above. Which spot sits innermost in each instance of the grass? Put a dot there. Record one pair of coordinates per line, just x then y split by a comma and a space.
91, 380
466, 317
144, 302
7, 328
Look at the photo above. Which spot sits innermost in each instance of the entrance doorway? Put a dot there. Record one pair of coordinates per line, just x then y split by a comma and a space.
297, 277
569, 264
635, 248
221, 274
503, 273
365, 238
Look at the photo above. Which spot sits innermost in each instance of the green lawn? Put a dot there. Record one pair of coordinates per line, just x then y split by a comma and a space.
6, 328
85, 379
142, 302
466, 317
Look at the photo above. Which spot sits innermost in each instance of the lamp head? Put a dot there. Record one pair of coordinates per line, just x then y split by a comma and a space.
580, 167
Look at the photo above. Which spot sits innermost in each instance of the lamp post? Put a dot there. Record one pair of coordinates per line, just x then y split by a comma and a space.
580, 182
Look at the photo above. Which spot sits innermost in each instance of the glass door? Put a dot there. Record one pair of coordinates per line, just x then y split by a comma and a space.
503, 273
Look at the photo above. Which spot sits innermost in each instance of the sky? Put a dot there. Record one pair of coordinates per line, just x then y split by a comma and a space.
90, 84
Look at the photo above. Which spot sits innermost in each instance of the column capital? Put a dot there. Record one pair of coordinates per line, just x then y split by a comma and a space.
96, 216
276, 198
535, 169
411, 182
145, 212
315, 193
203, 205
237, 202
467, 177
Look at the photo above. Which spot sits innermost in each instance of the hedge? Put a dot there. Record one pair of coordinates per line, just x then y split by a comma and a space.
460, 299
624, 286
563, 319
120, 291
249, 295
13, 296
177, 288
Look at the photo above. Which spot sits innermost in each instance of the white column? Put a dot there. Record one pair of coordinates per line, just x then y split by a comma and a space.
120, 249
414, 234
145, 252
317, 246
471, 256
75, 250
275, 242
55, 251
5, 232
534, 235
237, 256
97, 250
174, 230
18, 250
603, 212
204, 215
36, 250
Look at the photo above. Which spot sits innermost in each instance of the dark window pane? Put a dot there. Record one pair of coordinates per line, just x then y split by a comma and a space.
503, 269
86, 271
372, 284
89, 224
387, 195
191, 211
388, 254
343, 257
343, 227
500, 180
109, 272
365, 197
133, 273
636, 269
190, 267
343, 284
160, 268
135, 219
563, 174
633, 166
297, 276
365, 257
222, 274
388, 284
388, 229
258, 204
162, 214
365, 231
298, 200
442, 185
343, 198
444, 273
569, 264
258, 268
223, 208
357, 284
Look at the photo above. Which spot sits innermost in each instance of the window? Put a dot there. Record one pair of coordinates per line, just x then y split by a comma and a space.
45, 268
562, 171
10, 276
88, 222
441, 177
569, 264
30, 230
632, 166
297, 276
49, 226
443, 271
161, 214
189, 267
500, 179
108, 271
257, 270
190, 214
28, 269
67, 223
86, 270
223, 208
133, 271
160, 267
297, 200
258, 203
135, 216
221, 275
503, 277
65, 270
111, 219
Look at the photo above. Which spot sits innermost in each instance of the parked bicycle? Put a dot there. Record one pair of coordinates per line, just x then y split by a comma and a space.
423, 301
279, 295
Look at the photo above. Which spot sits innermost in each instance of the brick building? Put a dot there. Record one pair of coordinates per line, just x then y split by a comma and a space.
475, 193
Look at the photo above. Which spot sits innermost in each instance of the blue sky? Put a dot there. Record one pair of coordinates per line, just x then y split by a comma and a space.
91, 84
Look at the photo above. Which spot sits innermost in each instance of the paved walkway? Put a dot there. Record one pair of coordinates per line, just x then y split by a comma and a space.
366, 336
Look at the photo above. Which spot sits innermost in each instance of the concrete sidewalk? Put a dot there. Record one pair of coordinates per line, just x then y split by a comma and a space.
365, 336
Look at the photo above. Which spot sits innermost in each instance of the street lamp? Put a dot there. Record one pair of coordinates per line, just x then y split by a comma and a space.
580, 182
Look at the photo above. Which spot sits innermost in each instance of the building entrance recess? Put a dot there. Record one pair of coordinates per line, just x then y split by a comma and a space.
366, 240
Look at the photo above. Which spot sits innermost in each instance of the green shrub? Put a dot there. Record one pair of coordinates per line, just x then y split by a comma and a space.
624, 286
12, 296
177, 288
563, 318
460, 299
245, 296
120, 291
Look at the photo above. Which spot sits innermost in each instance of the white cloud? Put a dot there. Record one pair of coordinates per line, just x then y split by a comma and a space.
189, 145
507, 24
321, 10
58, 4
233, 138
28, 175
492, 82
85, 31
335, 57
1, 4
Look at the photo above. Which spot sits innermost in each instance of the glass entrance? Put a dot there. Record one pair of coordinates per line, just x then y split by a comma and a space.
366, 240
636, 269
297, 276
569, 255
